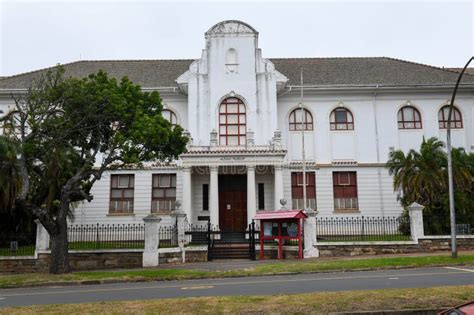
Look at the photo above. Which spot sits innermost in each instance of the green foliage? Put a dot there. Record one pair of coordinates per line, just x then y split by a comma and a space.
10, 177
422, 177
69, 131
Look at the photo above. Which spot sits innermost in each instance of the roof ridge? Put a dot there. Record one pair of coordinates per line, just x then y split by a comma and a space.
422, 64
366, 57
83, 61
132, 60
39, 70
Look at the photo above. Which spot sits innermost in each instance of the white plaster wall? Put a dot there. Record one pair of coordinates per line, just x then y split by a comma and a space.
327, 145
428, 105
97, 211
209, 83
197, 181
267, 180
179, 105
374, 200
375, 122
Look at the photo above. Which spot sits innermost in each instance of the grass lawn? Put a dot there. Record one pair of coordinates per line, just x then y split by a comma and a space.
312, 303
262, 269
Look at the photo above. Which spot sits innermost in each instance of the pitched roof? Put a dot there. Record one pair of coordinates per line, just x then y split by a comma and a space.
469, 70
354, 71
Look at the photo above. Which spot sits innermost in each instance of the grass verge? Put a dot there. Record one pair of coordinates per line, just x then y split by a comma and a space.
14, 280
311, 303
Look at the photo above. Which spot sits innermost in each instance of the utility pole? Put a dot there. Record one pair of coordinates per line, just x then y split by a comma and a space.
452, 211
303, 157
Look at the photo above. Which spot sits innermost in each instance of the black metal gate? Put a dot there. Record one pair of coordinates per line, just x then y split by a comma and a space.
223, 244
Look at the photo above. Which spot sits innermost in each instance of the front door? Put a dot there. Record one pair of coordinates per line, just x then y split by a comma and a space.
233, 203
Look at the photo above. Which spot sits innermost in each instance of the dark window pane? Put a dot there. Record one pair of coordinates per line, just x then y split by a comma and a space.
261, 196
205, 197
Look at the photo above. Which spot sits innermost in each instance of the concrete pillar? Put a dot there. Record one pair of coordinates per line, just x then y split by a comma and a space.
416, 221
181, 225
214, 195
42, 237
251, 194
187, 189
151, 257
278, 189
310, 235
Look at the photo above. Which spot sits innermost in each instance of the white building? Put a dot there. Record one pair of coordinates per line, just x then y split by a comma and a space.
242, 112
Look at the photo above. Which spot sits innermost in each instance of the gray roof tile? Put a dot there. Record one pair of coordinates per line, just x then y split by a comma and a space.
317, 71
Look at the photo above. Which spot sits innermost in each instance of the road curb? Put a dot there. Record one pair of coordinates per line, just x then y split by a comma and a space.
116, 281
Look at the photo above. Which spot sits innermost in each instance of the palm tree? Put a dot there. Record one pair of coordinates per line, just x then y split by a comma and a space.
422, 178
419, 175
10, 178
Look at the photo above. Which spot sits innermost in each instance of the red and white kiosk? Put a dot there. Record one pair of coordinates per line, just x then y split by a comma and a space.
281, 225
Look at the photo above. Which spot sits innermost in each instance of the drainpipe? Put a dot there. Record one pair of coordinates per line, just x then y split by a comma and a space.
379, 171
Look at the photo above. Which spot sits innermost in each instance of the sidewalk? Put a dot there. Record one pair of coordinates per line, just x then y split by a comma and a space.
242, 264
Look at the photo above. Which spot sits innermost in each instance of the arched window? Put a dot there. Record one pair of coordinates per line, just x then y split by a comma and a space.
170, 116
409, 118
232, 122
456, 118
295, 120
341, 119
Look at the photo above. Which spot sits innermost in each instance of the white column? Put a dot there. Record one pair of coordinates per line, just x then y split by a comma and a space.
42, 237
310, 235
278, 189
251, 194
214, 195
416, 221
151, 257
187, 196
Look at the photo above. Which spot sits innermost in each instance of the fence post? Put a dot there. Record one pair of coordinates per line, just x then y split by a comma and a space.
151, 257
310, 235
416, 221
42, 238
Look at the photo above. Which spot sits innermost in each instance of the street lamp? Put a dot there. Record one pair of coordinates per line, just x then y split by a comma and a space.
452, 212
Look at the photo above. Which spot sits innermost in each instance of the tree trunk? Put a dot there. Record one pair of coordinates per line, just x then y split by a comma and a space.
59, 249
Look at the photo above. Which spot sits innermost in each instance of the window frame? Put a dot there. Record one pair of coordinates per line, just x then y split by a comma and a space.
350, 191
443, 124
169, 118
156, 209
294, 125
122, 199
405, 123
226, 114
297, 188
334, 125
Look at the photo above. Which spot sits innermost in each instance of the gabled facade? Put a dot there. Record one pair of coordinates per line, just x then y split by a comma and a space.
246, 119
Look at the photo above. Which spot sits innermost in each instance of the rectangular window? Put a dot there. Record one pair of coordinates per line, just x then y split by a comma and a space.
345, 191
163, 193
297, 190
261, 196
121, 193
205, 197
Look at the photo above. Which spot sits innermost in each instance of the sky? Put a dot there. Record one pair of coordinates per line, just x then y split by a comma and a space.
39, 34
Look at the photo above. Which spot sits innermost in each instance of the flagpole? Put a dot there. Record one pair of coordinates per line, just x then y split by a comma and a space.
303, 157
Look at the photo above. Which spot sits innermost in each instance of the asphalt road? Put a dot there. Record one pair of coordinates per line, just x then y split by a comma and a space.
341, 281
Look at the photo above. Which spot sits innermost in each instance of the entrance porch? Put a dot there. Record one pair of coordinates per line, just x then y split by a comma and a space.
228, 187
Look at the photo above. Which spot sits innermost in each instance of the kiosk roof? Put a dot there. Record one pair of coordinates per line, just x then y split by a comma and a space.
280, 214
